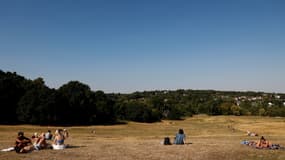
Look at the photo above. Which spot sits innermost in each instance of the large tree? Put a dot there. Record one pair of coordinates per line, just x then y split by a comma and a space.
75, 101
37, 105
12, 88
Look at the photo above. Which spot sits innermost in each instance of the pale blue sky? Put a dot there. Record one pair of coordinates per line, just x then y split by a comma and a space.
136, 45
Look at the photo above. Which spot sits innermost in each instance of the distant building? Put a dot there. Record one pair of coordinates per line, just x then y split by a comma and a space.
238, 103
270, 104
277, 96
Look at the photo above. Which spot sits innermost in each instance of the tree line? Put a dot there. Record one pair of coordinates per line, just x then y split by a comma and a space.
25, 101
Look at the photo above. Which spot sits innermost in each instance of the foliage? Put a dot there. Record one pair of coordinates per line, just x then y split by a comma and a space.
74, 103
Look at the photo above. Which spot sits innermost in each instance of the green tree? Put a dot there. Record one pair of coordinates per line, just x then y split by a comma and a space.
12, 88
225, 108
75, 100
262, 112
235, 110
36, 105
137, 111
104, 108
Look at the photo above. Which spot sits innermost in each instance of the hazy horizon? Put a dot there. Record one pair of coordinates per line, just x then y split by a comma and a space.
127, 46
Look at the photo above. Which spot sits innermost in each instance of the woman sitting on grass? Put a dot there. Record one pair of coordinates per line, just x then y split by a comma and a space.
59, 138
180, 137
40, 143
263, 143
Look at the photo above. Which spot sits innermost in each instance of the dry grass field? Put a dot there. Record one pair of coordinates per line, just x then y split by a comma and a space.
208, 138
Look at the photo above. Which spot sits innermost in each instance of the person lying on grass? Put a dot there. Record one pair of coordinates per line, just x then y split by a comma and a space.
251, 133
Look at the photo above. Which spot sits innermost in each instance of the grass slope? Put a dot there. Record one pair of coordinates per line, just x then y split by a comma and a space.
211, 137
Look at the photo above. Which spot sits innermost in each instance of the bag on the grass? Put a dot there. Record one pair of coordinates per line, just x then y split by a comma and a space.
166, 141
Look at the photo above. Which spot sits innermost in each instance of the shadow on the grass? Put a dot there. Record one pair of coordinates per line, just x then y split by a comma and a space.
71, 146
188, 143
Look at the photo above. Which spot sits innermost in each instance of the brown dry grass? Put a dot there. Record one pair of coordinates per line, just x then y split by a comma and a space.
211, 137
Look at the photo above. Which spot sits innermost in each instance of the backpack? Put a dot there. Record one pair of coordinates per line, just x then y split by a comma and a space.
166, 141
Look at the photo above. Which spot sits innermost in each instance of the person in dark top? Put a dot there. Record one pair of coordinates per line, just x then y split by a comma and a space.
22, 144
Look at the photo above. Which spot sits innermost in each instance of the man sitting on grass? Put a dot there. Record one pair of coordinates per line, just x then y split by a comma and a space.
23, 144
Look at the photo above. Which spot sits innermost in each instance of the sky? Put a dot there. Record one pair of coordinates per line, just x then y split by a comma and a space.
123, 46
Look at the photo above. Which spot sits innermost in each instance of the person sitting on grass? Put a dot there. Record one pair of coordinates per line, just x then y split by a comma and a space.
40, 143
65, 133
263, 143
23, 144
59, 138
35, 136
48, 135
180, 137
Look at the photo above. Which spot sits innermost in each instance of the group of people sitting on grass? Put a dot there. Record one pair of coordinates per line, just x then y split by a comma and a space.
38, 142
